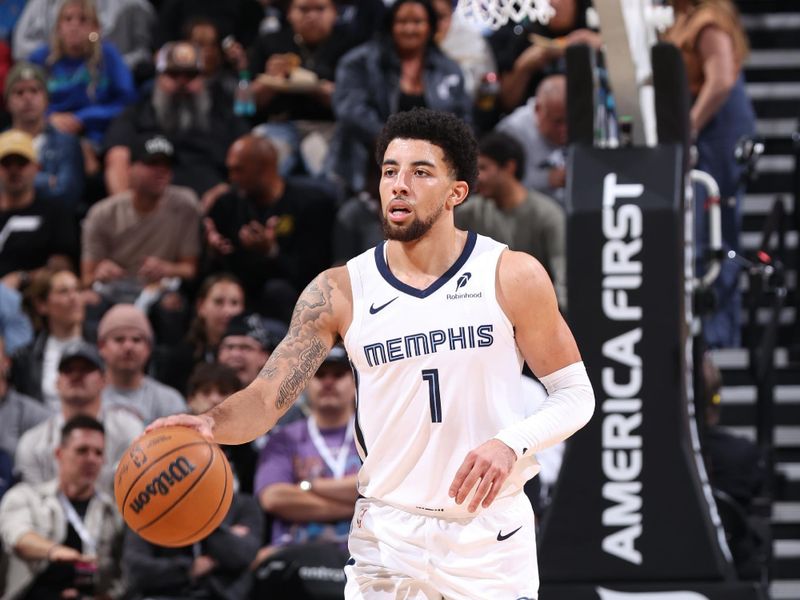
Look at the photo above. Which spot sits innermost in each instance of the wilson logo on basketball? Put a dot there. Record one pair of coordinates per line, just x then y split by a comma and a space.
163, 482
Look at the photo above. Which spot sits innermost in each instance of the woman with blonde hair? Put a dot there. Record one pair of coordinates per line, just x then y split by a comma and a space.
88, 82
714, 48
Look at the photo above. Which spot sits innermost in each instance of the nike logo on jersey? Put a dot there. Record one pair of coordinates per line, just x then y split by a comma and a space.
501, 537
373, 309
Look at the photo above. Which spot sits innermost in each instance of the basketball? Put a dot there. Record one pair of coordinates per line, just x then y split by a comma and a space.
173, 487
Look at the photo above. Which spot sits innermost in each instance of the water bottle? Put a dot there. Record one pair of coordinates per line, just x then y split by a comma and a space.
244, 104
488, 90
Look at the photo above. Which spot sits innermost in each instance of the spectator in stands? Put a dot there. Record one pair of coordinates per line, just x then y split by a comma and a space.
362, 18
298, 114
524, 64
541, 127
34, 232
126, 24
88, 81
125, 339
237, 18
358, 220
736, 467
464, 44
9, 16
59, 311
6, 471
506, 210
15, 327
247, 344
210, 384
196, 116
221, 65
273, 233
60, 175
80, 383
219, 299
64, 535
306, 474
714, 47
215, 567
401, 69
146, 234
18, 413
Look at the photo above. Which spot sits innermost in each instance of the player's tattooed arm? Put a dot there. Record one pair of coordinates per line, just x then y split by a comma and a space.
322, 314
311, 335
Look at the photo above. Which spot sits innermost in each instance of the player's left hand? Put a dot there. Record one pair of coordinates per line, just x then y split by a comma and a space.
488, 465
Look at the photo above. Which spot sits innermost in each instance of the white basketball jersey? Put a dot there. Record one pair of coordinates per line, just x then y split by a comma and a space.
438, 373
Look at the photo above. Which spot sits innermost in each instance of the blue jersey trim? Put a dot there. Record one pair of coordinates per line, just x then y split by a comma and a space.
383, 269
359, 433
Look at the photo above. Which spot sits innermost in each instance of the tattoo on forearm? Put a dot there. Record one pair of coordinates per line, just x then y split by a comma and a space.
295, 381
301, 352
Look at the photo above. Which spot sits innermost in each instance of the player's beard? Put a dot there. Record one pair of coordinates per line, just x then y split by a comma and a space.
412, 231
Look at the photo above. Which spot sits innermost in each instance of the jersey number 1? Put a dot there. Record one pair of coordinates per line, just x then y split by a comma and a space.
432, 377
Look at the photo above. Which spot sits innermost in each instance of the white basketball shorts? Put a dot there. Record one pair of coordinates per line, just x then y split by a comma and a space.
398, 554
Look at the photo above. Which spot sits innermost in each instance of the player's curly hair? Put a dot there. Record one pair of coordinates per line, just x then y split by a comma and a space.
441, 129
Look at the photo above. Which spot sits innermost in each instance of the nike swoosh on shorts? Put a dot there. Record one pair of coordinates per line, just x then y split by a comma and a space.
501, 537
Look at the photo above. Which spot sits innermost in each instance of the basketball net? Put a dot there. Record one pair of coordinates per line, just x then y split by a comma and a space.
496, 13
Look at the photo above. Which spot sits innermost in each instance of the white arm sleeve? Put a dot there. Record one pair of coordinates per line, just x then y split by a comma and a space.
569, 406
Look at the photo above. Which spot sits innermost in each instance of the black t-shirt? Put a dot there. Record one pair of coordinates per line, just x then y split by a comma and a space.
31, 235
322, 60
57, 577
199, 154
512, 39
306, 212
239, 18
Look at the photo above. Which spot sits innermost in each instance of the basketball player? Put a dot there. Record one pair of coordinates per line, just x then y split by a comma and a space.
436, 322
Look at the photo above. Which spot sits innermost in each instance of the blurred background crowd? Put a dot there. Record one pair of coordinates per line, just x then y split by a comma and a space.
174, 172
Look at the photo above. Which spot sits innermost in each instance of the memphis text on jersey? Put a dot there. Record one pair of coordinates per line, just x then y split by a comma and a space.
431, 342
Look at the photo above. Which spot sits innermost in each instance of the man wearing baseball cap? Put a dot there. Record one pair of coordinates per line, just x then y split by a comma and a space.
35, 231
61, 174
80, 383
125, 339
147, 233
247, 344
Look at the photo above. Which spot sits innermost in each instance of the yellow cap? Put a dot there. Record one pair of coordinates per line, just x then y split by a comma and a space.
17, 142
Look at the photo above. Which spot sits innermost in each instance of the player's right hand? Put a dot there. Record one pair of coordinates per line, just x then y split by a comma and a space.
203, 424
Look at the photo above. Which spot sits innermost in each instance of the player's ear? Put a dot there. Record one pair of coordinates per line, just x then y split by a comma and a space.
458, 193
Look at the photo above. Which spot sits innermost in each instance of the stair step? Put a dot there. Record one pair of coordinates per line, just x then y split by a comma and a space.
737, 358
786, 548
751, 240
784, 435
746, 395
776, 127
777, 90
761, 204
771, 22
786, 512
773, 59
785, 589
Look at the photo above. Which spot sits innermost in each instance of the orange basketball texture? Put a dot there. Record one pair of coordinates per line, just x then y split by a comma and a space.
173, 487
